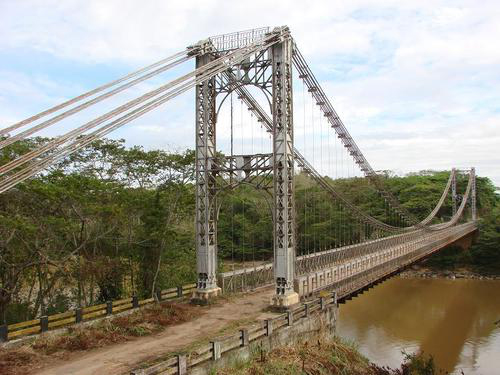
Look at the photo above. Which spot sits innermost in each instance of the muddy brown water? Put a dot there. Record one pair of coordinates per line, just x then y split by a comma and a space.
454, 320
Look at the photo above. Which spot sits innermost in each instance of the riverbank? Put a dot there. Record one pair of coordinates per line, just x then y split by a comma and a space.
458, 273
322, 356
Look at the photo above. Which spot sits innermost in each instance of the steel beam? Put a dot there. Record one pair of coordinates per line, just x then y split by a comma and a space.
237, 169
206, 208
473, 194
454, 192
283, 185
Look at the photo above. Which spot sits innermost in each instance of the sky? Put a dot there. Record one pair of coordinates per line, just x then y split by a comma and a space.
417, 83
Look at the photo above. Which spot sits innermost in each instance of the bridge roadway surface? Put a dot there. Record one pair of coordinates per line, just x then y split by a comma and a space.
243, 309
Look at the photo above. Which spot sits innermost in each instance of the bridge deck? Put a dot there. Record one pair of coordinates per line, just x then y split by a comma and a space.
357, 272
337, 267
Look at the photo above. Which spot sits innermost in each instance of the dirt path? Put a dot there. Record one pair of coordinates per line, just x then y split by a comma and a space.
121, 358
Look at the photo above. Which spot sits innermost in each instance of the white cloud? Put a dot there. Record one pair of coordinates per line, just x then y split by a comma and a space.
416, 82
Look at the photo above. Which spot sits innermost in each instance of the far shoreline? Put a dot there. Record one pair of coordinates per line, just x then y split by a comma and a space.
418, 271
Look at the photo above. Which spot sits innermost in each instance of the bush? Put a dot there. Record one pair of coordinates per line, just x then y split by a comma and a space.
17, 312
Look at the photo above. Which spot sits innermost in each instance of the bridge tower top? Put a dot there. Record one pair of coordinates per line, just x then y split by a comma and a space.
239, 39
224, 43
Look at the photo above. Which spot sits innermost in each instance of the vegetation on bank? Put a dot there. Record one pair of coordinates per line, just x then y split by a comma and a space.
323, 357
112, 221
483, 256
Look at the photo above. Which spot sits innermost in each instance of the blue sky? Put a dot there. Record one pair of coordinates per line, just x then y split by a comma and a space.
416, 82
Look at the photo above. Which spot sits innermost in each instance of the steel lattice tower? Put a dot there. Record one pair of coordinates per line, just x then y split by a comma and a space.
271, 71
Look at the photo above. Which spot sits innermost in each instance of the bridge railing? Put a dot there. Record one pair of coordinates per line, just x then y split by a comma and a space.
64, 319
319, 260
250, 278
244, 279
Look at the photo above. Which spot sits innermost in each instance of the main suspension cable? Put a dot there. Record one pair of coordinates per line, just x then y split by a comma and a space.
72, 111
89, 93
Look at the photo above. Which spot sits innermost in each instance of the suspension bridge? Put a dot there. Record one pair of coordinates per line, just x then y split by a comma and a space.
279, 141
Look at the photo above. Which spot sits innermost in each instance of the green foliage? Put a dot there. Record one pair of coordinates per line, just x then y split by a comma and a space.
110, 221
103, 224
485, 253
18, 312
245, 225
418, 364
448, 258
59, 303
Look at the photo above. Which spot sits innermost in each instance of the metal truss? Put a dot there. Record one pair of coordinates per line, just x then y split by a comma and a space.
206, 207
284, 223
454, 193
267, 122
256, 70
473, 194
229, 42
238, 169
247, 278
270, 70
469, 198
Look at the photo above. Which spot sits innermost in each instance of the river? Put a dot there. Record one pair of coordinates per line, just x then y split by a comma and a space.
454, 320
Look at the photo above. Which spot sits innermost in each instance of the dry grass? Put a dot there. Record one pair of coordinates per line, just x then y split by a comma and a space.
146, 321
320, 358
329, 356
18, 361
